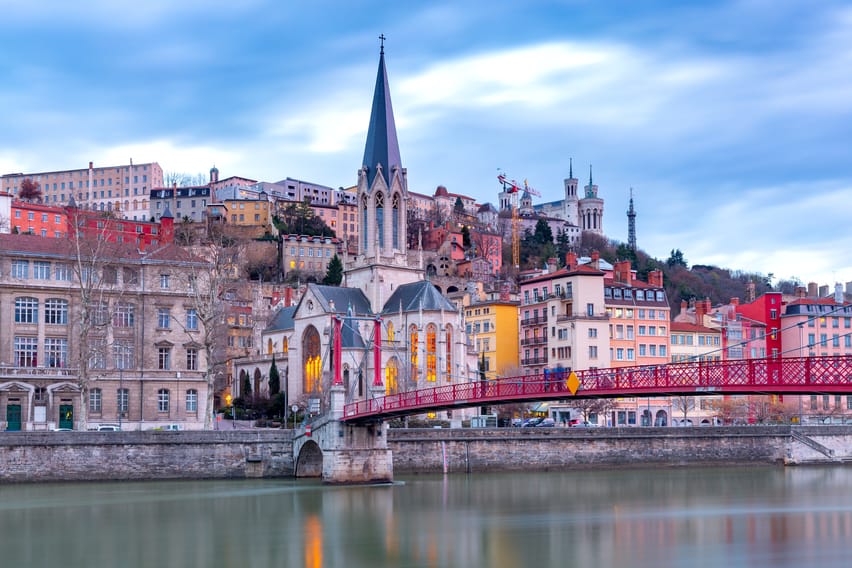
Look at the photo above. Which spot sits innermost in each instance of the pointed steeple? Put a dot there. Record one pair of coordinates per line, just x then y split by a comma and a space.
631, 224
382, 145
570, 168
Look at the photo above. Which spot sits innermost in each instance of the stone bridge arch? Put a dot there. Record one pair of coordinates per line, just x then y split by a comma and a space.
309, 460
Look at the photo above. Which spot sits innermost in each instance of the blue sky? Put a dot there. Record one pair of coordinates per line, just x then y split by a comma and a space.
731, 120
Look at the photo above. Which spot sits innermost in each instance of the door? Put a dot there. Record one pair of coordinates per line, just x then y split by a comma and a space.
66, 416
13, 417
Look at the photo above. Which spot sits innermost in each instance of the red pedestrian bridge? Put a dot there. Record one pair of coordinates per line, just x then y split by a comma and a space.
793, 375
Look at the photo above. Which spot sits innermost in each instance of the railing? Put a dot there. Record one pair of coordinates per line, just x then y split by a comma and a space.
534, 320
797, 375
534, 340
531, 361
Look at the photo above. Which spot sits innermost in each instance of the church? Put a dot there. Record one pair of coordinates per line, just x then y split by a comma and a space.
398, 332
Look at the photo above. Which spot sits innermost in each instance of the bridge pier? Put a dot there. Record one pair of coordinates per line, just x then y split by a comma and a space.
343, 453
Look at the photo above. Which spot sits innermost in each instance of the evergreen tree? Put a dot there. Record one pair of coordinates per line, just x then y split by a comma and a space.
465, 237
543, 233
247, 392
458, 208
274, 378
482, 367
334, 274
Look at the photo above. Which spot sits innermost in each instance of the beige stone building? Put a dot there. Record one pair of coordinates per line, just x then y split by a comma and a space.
123, 189
145, 358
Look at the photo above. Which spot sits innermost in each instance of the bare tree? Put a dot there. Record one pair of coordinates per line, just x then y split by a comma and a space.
683, 404
29, 190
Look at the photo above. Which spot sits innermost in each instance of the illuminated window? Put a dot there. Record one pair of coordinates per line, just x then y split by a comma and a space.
391, 377
431, 353
413, 342
311, 360
391, 333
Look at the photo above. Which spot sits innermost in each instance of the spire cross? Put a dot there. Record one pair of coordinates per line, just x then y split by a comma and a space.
382, 38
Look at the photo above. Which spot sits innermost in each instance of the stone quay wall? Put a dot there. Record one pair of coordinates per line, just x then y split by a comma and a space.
95, 456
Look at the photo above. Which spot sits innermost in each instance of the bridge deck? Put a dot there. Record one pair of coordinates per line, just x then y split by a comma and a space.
795, 375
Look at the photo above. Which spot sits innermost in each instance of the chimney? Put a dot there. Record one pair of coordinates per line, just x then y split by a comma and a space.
812, 289
571, 261
838, 293
735, 301
801, 292
596, 260
823, 291
655, 278
700, 311
683, 306
551, 265
622, 273
750, 292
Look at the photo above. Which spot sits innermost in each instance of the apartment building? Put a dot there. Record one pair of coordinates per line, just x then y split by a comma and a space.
639, 317
563, 319
492, 325
146, 363
309, 255
123, 189
184, 202
691, 342
812, 326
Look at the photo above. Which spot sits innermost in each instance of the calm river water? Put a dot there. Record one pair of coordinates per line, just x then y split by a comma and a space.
723, 518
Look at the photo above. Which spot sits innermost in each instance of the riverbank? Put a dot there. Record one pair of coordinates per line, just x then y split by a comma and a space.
91, 456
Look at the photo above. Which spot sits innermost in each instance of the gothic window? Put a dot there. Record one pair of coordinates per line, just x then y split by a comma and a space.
391, 332
396, 220
380, 219
413, 343
391, 376
311, 360
431, 352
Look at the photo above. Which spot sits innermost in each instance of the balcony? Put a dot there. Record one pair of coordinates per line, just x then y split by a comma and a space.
535, 320
574, 317
534, 340
533, 361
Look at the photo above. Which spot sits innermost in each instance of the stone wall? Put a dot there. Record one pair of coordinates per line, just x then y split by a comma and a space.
92, 456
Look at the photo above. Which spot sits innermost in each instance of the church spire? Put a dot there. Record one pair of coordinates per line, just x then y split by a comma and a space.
570, 168
382, 147
631, 224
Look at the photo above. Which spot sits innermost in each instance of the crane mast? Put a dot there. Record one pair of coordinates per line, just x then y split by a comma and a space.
513, 188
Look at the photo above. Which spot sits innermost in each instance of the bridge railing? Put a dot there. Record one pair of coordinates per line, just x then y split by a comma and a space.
794, 374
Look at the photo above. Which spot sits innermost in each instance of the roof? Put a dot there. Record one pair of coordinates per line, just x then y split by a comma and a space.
691, 327
35, 245
581, 269
350, 336
416, 296
282, 320
337, 299
382, 145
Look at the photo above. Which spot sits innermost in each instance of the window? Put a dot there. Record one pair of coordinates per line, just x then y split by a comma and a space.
41, 270
164, 358
26, 310
56, 311
642, 349
192, 400
26, 349
124, 315
590, 309
20, 268
163, 400
593, 352
192, 319
95, 400
61, 272
123, 354
652, 350
192, 359
56, 352
97, 353
164, 318
131, 276
164, 281
593, 332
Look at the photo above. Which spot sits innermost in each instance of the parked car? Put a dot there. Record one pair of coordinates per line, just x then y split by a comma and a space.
530, 422
62, 430
109, 428
546, 423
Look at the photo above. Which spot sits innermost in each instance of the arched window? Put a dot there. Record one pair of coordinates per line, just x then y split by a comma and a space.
413, 338
269, 346
380, 219
311, 361
391, 332
396, 220
431, 353
392, 376
286, 344
257, 380
449, 353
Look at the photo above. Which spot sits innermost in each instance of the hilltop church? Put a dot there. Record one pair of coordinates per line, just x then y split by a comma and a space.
383, 298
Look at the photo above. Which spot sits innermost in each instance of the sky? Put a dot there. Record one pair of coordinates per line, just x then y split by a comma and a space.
731, 120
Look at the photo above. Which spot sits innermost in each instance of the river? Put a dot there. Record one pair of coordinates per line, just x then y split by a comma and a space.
719, 517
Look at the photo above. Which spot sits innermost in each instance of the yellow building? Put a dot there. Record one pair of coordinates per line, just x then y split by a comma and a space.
249, 213
492, 326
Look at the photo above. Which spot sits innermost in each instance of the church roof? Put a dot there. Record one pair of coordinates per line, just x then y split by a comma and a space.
350, 336
282, 320
416, 296
382, 145
337, 299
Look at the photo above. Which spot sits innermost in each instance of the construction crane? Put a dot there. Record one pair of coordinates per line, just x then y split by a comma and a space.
513, 188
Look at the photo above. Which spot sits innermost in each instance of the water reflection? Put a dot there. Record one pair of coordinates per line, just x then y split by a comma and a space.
699, 517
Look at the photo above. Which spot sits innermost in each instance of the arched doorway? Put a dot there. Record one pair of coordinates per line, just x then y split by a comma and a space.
662, 418
256, 386
309, 462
